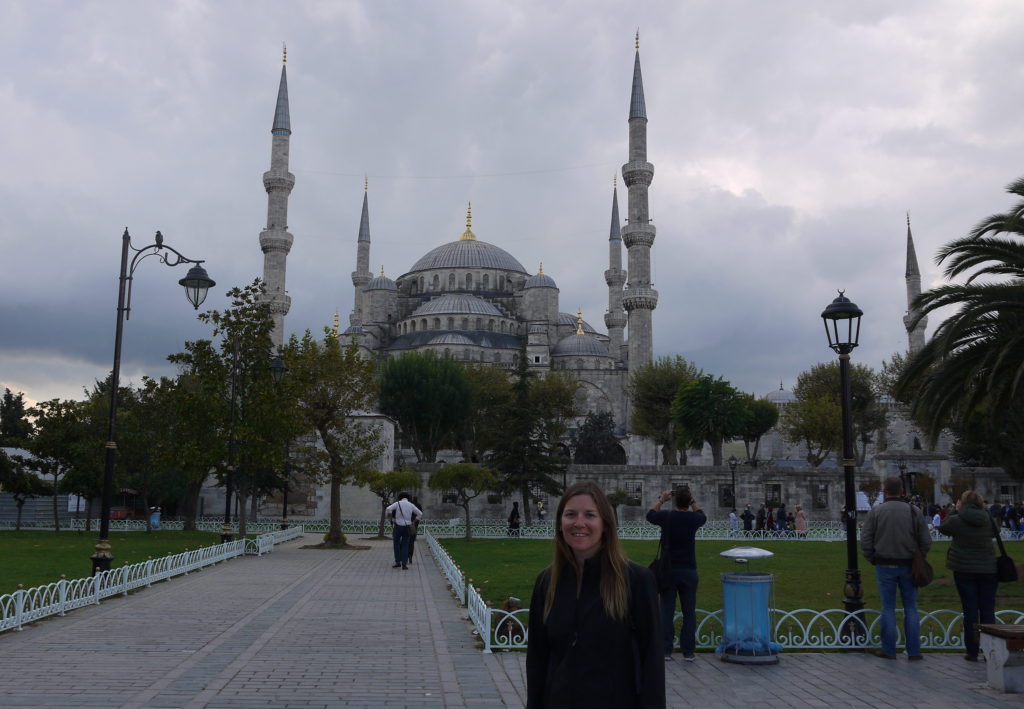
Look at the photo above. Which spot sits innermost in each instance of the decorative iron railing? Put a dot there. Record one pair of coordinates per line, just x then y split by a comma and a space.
57, 598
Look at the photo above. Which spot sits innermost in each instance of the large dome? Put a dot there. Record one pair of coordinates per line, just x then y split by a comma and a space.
468, 253
576, 345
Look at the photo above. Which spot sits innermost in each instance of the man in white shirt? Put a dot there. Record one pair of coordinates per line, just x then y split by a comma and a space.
403, 514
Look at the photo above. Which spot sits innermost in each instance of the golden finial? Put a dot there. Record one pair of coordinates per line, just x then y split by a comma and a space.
468, 235
541, 271
336, 322
638, 39
382, 270
284, 49
579, 321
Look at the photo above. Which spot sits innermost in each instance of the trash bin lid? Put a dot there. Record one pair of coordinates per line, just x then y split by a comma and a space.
747, 553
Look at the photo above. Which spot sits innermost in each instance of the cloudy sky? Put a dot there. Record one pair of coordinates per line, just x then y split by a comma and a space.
789, 139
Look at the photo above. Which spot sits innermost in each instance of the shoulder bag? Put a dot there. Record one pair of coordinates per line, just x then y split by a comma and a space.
1006, 570
662, 564
921, 573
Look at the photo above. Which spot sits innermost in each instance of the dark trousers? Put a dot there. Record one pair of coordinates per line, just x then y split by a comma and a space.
978, 597
684, 585
400, 538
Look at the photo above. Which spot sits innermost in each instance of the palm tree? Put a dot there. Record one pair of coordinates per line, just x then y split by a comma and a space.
975, 359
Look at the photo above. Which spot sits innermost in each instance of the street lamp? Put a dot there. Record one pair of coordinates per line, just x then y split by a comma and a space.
196, 284
733, 462
842, 327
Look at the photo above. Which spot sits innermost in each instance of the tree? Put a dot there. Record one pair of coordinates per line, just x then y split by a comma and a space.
14, 427
760, 417
467, 481
429, 396
331, 384
490, 390
867, 414
817, 424
55, 443
387, 485
975, 359
709, 409
527, 453
652, 388
17, 479
595, 442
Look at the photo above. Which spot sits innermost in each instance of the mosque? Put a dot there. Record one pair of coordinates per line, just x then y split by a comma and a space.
474, 301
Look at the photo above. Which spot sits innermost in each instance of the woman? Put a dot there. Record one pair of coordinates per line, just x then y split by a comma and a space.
800, 521
972, 559
594, 636
513, 520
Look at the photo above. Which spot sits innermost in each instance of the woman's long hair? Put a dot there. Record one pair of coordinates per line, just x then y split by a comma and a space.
614, 584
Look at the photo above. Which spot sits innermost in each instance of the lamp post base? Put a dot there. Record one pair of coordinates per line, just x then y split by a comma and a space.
102, 559
854, 630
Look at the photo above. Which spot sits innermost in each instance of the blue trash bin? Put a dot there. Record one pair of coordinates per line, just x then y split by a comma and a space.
748, 632
154, 519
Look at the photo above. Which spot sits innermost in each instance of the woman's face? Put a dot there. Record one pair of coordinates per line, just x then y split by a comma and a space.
582, 526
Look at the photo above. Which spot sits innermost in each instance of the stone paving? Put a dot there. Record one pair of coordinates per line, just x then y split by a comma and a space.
316, 629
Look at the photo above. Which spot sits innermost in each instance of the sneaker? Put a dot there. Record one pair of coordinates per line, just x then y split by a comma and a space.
405, 568
883, 654
690, 658
395, 565
915, 658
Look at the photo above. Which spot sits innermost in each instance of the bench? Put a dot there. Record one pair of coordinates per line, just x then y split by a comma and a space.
1004, 655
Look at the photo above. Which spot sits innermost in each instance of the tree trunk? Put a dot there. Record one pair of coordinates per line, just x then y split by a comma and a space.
334, 535
254, 508
383, 507
192, 492
241, 496
716, 452
56, 519
88, 513
469, 526
527, 509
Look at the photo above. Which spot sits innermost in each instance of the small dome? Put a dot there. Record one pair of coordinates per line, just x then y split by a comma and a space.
579, 345
569, 319
458, 305
451, 338
541, 280
353, 330
381, 282
537, 328
780, 396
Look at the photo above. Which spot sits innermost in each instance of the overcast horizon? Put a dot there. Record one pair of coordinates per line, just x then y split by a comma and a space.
789, 140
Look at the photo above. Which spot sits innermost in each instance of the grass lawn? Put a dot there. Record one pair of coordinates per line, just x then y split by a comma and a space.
807, 574
36, 558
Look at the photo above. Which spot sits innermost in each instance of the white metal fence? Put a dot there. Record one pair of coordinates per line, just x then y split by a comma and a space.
57, 598
801, 629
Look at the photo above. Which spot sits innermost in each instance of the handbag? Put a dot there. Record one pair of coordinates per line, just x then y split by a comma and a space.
661, 567
921, 572
1006, 570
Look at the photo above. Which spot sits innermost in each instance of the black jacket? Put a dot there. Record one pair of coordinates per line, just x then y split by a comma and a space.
582, 658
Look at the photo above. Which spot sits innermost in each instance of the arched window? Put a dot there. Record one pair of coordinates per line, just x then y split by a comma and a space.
503, 326
501, 283
414, 326
451, 323
451, 281
469, 281
490, 323
421, 284
423, 324
437, 323
465, 354
447, 352
412, 288
479, 324
486, 283
465, 323
437, 283
579, 364
497, 357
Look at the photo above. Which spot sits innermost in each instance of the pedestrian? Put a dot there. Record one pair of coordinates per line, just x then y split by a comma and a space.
678, 529
972, 559
800, 522
414, 530
403, 514
748, 520
759, 520
513, 520
734, 523
595, 636
892, 533
541, 512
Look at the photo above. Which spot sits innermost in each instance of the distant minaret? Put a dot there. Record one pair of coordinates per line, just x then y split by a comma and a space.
361, 276
275, 241
615, 277
639, 299
915, 334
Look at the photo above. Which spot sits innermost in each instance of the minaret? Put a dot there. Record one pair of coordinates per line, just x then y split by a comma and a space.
275, 241
361, 276
615, 277
639, 299
915, 333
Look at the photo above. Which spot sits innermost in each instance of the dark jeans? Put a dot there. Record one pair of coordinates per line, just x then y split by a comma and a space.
685, 586
400, 538
978, 597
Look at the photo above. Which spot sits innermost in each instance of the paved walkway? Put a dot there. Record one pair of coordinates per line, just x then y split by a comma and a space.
310, 629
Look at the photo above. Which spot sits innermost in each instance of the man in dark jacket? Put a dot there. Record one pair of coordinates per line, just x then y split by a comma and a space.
891, 534
678, 528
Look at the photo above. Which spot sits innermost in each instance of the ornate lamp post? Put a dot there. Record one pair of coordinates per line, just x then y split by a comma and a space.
842, 327
196, 284
733, 462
